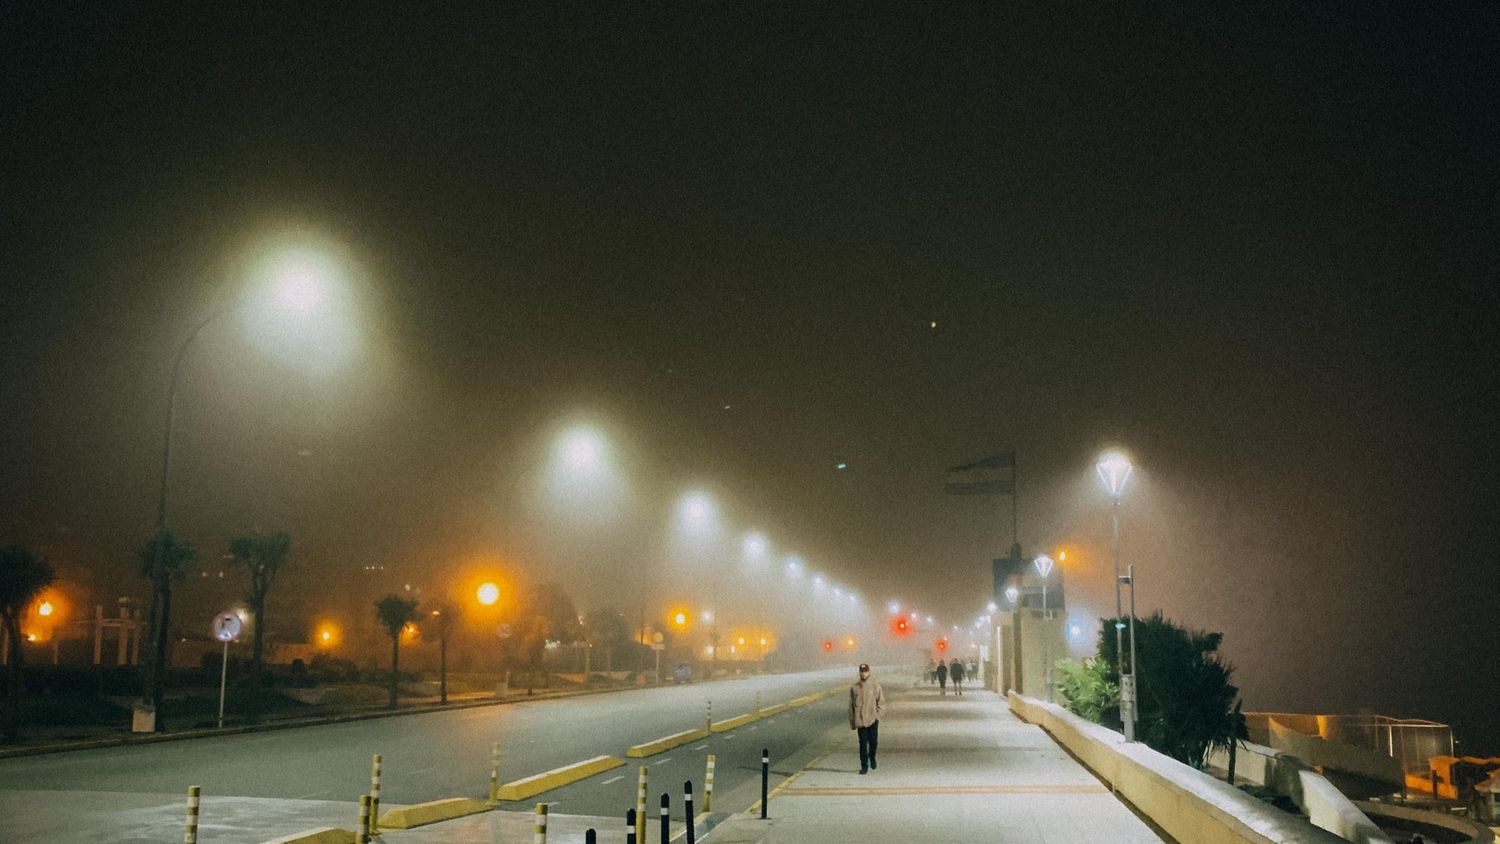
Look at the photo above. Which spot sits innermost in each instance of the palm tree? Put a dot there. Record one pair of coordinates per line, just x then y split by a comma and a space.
262, 555
23, 576
164, 561
395, 612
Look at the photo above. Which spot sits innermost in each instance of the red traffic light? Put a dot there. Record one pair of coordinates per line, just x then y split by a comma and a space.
827, 644
942, 644
900, 626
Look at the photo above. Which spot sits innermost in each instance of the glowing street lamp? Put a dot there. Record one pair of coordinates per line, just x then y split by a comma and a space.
1011, 594
488, 594
1043, 565
1115, 469
893, 607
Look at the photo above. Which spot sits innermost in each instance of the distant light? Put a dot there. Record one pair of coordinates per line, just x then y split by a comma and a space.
849, 642
488, 594
1062, 556
929, 619
794, 567
581, 449
31, 637
742, 640
679, 619
991, 607
327, 637
915, 615
763, 642
1075, 630
45, 609
894, 607
932, 324
1119, 625
841, 466
709, 650
853, 598
1012, 593
754, 546
708, 615
1114, 469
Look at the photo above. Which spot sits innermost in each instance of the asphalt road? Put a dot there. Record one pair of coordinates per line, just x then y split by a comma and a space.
426, 757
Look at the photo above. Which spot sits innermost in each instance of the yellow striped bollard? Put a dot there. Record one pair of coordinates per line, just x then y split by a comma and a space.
708, 726
190, 830
495, 774
540, 835
640, 805
362, 832
708, 785
375, 795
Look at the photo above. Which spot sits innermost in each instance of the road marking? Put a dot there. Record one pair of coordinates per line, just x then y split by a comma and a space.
662, 761
701, 747
612, 779
946, 789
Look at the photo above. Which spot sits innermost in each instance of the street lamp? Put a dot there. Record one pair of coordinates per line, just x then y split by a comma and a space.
1043, 565
1114, 469
1011, 594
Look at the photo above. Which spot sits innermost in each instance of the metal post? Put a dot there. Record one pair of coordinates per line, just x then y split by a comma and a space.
640, 805
362, 834
687, 811
1127, 713
495, 774
1135, 676
708, 721
223, 681
375, 795
539, 835
708, 785
666, 818
190, 830
765, 779
658, 667
630, 826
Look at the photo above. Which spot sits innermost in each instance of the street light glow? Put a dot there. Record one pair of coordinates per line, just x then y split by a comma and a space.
1043, 565
1011, 594
894, 607
991, 607
45, 609
488, 594
794, 567
1114, 469
754, 547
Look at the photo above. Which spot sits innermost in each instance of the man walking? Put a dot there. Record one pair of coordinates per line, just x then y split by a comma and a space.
866, 705
942, 672
957, 673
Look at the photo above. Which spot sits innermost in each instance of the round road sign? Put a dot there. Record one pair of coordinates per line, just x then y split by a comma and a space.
227, 626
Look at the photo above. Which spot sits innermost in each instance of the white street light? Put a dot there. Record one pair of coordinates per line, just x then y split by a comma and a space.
1011, 594
1043, 565
893, 607
991, 607
1115, 469
753, 546
794, 567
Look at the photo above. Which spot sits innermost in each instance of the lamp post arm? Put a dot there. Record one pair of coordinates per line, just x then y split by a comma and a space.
166, 445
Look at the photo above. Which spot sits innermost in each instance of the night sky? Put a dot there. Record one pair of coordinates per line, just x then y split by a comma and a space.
1256, 248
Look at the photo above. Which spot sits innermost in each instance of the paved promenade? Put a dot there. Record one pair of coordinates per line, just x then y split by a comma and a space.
951, 770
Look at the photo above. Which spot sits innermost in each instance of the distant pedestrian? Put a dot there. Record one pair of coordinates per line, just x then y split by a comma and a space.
942, 675
957, 673
866, 705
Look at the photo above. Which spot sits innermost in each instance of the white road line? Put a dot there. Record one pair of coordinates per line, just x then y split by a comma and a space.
701, 747
613, 779
662, 761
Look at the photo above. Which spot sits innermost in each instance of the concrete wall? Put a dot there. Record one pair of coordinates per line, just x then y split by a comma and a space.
1336, 755
1189, 804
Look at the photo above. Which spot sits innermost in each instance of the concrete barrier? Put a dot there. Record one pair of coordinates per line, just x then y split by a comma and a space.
1285, 773
651, 748
421, 814
1188, 804
734, 723
325, 835
557, 777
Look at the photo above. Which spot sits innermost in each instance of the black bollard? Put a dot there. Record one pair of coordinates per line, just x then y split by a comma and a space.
687, 811
590, 837
666, 819
629, 826
765, 779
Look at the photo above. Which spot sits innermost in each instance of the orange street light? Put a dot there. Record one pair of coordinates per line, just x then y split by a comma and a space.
488, 594
45, 609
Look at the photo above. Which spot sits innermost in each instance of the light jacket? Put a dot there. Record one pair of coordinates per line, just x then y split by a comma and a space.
866, 703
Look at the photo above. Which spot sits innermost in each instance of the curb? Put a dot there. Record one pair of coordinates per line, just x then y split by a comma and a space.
556, 778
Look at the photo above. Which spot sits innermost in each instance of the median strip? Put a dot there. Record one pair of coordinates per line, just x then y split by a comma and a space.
651, 748
555, 778
421, 814
732, 723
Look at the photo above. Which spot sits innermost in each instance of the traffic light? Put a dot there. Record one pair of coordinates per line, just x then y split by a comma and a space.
827, 645
900, 626
942, 645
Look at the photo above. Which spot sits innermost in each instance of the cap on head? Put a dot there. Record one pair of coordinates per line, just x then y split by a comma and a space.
863, 667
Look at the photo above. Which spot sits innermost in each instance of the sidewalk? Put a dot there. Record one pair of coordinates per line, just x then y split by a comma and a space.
951, 770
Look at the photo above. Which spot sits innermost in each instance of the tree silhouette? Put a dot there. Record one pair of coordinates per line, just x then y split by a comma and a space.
164, 561
1186, 704
23, 576
395, 612
262, 555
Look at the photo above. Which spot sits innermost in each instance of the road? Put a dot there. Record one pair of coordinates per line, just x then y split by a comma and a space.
260, 785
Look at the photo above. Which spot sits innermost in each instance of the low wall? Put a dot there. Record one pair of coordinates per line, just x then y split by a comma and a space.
1284, 773
1188, 804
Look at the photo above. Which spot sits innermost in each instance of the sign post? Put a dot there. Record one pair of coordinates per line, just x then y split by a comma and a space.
658, 644
226, 628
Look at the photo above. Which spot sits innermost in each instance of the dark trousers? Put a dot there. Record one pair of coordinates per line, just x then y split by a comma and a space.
869, 739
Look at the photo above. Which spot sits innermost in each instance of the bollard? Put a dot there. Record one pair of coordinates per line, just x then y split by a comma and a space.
190, 830
708, 725
765, 779
540, 835
666, 819
362, 833
590, 837
687, 810
630, 836
640, 806
375, 795
708, 785
495, 774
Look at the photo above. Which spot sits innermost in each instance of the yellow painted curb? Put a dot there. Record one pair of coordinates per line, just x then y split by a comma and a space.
801, 701
557, 777
651, 748
773, 710
736, 722
326, 835
422, 814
